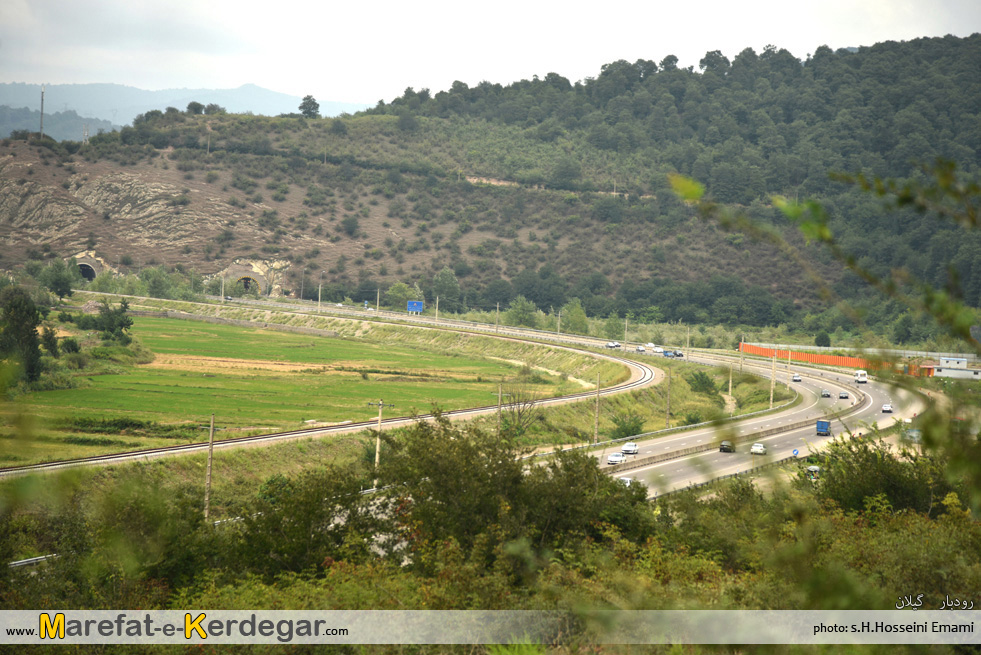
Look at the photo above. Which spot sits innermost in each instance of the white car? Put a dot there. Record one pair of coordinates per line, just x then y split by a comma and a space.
616, 458
843, 395
640, 349
887, 408
796, 377
630, 448
650, 346
758, 449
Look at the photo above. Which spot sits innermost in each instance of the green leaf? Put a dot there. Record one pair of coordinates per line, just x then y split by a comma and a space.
686, 188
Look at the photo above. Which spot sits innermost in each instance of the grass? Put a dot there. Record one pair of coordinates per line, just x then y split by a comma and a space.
260, 380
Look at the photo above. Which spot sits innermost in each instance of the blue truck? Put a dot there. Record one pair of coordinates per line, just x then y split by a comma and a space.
824, 428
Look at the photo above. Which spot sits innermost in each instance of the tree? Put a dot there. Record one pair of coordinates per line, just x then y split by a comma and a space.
451, 483
447, 288
574, 318
519, 412
613, 327
399, 294
522, 312
822, 340
58, 278
626, 425
565, 172
195, 108
214, 108
50, 341
19, 318
309, 107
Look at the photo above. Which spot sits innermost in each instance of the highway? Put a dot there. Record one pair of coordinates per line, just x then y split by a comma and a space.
857, 414
645, 370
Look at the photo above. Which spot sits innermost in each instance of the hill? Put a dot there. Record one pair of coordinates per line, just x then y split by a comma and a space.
542, 188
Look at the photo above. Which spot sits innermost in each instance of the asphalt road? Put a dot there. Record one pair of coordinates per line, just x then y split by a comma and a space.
701, 467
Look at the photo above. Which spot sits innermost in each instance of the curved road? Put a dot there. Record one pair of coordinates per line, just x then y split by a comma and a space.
864, 406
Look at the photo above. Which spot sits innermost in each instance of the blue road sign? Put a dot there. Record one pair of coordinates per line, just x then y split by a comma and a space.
795, 452
414, 306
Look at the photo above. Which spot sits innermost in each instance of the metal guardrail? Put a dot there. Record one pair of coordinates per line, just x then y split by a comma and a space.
31, 561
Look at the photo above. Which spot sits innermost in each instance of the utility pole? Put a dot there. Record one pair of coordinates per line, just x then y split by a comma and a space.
500, 396
688, 343
730, 378
381, 405
789, 374
207, 479
320, 288
497, 319
377, 298
626, 320
558, 329
303, 278
437, 310
223, 288
596, 425
773, 377
42, 112
667, 409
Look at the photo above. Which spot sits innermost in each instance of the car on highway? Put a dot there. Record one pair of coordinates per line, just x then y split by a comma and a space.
630, 448
616, 458
641, 349
613, 344
887, 408
825, 393
727, 447
758, 449
843, 395
678, 353
796, 377
668, 353
628, 481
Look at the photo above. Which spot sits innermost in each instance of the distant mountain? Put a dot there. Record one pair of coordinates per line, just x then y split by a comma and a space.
60, 125
119, 104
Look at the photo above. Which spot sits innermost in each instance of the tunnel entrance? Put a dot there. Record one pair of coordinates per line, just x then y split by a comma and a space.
87, 271
250, 284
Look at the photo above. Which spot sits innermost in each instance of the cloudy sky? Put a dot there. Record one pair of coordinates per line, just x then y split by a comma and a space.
367, 51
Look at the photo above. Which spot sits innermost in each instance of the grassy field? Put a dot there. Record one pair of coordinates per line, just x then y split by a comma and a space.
259, 380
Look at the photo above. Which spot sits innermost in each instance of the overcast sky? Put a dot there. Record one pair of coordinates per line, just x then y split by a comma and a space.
366, 51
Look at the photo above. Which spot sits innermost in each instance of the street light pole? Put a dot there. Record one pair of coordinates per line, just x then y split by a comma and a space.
320, 287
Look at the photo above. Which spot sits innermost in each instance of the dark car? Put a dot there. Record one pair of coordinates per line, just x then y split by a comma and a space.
727, 447
678, 353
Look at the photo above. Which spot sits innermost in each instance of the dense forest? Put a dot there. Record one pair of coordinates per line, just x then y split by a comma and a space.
568, 195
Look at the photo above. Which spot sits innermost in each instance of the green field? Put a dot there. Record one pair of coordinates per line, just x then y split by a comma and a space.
259, 380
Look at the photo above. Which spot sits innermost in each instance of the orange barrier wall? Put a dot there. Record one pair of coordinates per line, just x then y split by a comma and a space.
813, 358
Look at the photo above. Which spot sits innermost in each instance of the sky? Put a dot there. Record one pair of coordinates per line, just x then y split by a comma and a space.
364, 52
